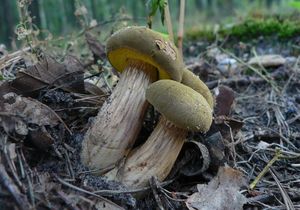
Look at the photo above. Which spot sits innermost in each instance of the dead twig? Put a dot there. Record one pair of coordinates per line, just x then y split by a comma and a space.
67, 201
85, 191
11, 166
28, 176
287, 200
154, 185
7, 183
110, 192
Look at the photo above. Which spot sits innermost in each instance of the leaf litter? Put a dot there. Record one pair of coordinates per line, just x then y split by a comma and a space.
47, 106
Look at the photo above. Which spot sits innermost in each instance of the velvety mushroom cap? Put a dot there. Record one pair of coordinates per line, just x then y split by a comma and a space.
180, 104
194, 82
141, 43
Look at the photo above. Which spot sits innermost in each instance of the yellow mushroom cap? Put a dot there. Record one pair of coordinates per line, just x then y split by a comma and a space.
180, 104
141, 43
194, 82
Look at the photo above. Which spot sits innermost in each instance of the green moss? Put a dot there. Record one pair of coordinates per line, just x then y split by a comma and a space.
195, 34
252, 28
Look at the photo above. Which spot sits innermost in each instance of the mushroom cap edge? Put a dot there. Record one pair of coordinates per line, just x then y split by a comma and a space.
194, 82
180, 104
142, 43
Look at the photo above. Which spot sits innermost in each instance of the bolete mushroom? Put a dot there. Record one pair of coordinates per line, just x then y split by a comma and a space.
143, 56
183, 109
194, 82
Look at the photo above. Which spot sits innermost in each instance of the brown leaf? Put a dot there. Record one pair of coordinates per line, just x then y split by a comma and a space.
222, 121
19, 113
68, 76
93, 89
221, 193
95, 46
224, 100
30, 109
227, 126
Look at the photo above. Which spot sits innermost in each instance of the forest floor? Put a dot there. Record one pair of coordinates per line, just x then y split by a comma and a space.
256, 128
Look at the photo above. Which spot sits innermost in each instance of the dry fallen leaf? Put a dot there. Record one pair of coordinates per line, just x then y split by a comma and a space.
224, 100
221, 193
32, 110
27, 116
95, 46
68, 76
222, 121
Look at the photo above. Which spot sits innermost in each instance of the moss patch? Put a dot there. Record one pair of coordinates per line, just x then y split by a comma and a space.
251, 28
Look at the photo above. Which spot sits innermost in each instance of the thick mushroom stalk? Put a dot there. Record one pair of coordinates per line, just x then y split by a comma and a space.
154, 158
121, 114
183, 109
142, 55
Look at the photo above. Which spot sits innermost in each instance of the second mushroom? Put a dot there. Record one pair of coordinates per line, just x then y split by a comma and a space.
183, 109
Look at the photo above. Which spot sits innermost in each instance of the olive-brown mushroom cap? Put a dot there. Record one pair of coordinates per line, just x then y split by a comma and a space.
194, 82
141, 43
180, 104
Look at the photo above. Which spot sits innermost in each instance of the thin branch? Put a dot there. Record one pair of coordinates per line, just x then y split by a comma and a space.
286, 198
180, 27
85, 191
168, 21
7, 183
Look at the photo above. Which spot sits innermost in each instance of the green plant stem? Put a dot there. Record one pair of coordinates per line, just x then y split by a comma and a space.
266, 168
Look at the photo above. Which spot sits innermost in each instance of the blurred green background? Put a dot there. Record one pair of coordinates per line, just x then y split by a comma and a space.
57, 16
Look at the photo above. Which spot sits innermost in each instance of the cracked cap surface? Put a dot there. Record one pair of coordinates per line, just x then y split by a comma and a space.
144, 44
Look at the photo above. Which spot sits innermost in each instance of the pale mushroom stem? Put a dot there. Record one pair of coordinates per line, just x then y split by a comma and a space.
155, 157
119, 121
